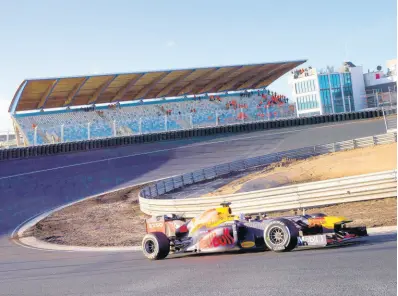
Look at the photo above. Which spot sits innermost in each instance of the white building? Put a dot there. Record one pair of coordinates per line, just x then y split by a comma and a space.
380, 86
324, 92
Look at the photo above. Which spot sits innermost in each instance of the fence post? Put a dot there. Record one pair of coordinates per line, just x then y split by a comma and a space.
374, 140
191, 120
216, 118
385, 120
164, 185
268, 112
174, 186
165, 123
114, 128
389, 93
140, 126
193, 178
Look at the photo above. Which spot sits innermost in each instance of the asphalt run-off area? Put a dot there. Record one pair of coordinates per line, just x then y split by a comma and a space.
32, 186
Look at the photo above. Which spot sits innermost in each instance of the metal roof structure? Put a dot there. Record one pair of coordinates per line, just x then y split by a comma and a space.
34, 94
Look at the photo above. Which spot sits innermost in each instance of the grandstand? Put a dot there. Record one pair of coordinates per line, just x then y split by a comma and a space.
67, 109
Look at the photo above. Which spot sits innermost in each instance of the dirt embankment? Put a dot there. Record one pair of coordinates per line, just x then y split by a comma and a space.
112, 219
335, 165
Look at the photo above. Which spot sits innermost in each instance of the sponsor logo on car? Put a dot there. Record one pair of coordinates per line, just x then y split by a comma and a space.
155, 225
312, 240
247, 244
212, 240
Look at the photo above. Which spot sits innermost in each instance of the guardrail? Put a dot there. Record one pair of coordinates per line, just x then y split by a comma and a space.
70, 147
349, 189
150, 196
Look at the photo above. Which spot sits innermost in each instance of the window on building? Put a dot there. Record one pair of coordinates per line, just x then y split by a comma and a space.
347, 79
326, 101
323, 82
335, 80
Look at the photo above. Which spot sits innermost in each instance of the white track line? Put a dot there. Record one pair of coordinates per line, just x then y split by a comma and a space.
164, 150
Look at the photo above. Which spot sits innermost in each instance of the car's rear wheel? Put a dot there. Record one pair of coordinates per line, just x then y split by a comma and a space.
155, 246
280, 235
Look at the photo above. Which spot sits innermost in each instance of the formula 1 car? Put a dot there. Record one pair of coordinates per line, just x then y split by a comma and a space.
218, 230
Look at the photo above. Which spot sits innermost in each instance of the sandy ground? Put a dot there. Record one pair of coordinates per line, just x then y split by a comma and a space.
116, 220
324, 167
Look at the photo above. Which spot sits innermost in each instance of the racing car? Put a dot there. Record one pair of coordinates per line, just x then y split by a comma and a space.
218, 230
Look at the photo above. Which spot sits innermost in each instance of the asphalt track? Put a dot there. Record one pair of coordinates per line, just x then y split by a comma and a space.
31, 186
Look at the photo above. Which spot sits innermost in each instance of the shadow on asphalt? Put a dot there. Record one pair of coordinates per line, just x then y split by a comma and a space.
365, 241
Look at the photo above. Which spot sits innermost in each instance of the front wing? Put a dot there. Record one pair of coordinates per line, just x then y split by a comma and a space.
327, 239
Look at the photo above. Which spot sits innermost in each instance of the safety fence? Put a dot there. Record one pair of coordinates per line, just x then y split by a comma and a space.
301, 196
152, 195
390, 118
61, 148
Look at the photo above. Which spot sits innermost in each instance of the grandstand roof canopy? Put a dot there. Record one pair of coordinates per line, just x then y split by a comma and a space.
61, 92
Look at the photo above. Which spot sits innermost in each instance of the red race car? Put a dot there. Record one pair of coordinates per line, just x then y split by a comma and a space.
218, 230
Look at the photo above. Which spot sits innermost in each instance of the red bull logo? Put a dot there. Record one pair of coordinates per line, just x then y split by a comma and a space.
212, 240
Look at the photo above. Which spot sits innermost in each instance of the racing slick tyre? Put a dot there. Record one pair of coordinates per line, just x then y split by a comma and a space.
155, 246
280, 235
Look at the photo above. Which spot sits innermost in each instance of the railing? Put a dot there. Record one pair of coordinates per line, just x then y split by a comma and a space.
301, 196
78, 146
150, 196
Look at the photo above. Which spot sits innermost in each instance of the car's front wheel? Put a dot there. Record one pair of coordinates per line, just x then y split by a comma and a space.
280, 235
155, 246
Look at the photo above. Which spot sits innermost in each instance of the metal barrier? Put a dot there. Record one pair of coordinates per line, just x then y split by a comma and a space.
68, 147
170, 184
349, 189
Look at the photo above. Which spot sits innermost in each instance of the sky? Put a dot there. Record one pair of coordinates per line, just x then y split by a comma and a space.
46, 38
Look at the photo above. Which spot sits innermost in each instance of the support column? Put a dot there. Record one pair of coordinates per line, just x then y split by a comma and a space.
342, 91
114, 128
62, 133
331, 94
35, 136
349, 103
88, 131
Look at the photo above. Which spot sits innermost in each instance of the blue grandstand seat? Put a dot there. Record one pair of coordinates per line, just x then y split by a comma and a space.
148, 117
